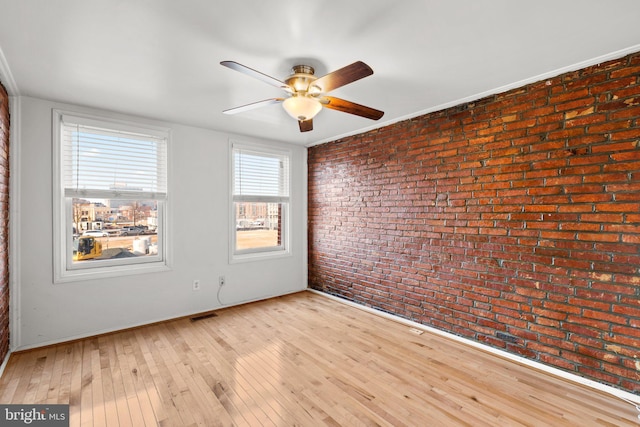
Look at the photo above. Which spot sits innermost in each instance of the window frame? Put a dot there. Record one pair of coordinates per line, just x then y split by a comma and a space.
65, 270
251, 254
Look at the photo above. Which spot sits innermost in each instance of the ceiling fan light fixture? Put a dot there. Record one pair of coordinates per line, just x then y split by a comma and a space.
314, 89
308, 93
302, 107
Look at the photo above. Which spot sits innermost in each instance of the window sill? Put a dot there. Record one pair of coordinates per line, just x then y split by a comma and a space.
108, 272
258, 256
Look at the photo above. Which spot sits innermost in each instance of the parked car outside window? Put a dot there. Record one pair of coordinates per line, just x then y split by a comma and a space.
95, 233
130, 231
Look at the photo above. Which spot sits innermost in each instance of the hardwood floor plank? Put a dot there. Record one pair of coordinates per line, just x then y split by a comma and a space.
139, 403
111, 380
97, 391
155, 384
45, 378
168, 383
86, 396
75, 382
9, 391
57, 382
302, 360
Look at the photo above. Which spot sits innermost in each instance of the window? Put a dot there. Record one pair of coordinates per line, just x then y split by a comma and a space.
260, 201
110, 197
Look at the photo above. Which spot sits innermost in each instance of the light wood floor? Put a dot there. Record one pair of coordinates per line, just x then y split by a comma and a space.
302, 360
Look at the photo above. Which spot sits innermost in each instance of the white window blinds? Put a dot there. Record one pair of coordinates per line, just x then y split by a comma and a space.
98, 161
260, 176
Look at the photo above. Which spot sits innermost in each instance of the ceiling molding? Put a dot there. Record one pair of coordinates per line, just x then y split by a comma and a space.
550, 74
6, 78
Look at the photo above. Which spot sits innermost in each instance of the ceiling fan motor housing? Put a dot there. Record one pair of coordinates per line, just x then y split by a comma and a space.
301, 78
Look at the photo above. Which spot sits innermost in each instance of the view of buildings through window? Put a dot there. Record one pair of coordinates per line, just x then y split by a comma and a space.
111, 229
258, 225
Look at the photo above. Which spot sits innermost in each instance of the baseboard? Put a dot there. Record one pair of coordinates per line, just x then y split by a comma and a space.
4, 363
621, 394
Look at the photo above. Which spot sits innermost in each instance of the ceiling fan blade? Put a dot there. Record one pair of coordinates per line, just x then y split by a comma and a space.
351, 107
253, 105
343, 76
305, 125
256, 74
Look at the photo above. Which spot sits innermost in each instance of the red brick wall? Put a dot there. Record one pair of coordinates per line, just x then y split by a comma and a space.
4, 223
513, 220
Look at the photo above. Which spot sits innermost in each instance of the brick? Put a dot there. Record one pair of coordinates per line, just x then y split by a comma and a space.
518, 212
4, 218
621, 167
615, 218
617, 207
598, 375
625, 113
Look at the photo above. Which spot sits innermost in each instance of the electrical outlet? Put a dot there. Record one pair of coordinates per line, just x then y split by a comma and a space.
221, 280
196, 285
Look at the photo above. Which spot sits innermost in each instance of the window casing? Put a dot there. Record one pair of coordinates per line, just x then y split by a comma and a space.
110, 197
260, 201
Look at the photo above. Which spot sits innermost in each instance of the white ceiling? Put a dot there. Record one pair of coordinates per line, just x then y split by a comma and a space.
160, 58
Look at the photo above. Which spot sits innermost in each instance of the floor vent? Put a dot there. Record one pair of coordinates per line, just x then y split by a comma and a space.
204, 316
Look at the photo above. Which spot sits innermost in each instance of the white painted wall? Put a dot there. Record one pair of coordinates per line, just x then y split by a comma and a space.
199, 213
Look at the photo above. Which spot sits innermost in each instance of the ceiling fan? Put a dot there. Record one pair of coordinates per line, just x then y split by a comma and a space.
307, 94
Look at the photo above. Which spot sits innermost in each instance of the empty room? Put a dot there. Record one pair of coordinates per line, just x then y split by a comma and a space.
286, 213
